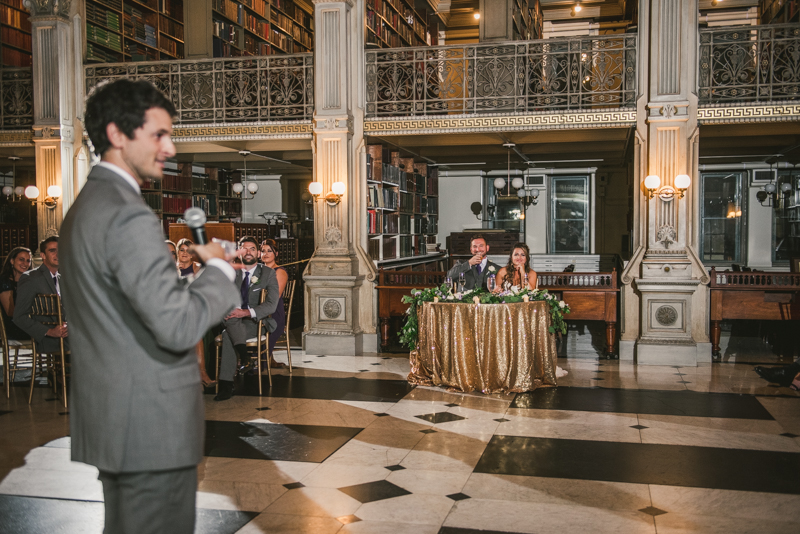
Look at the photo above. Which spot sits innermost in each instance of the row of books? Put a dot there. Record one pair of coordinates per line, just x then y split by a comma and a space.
256, 48
230, 208
225, 31
113, 4
138, 26
102, 36
170, 27
107, 18
173, 48
16, 38
383, 31
380, 197
154, 200
258, 26
94, 53
139, 52
259, 6
176, 182
16, 58
223, 48
208, 203
173, 203
13, 17
173, 8
387, 244
204, 184
295, 12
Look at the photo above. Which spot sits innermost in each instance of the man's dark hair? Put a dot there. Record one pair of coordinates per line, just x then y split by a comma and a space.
123, 102
248, 239
476, 236
51, 239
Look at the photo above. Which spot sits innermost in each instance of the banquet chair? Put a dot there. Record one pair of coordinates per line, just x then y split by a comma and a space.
260, 343
6, 345
288, 300
48, 311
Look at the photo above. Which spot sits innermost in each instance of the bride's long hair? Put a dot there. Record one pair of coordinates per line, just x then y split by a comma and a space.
511, 269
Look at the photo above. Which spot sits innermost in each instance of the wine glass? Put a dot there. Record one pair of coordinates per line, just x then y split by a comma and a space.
491, 283
448, 282
462, 282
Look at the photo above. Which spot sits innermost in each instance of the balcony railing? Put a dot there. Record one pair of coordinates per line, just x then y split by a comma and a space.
16, 98
749, 64
216, 91
513, 77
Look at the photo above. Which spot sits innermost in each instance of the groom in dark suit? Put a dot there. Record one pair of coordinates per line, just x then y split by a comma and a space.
42, 281
242, 323
136, 406
478, 268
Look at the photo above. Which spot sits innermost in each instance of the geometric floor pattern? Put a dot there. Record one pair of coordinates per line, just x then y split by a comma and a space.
345, 445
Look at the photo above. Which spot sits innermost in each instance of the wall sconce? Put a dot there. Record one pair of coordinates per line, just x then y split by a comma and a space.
667, 192
332, 198
769, 194
576, 9
50, 201
477, 15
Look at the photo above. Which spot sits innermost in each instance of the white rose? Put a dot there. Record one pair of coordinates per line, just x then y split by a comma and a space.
450, 297
549, 297
561, 303
491, 269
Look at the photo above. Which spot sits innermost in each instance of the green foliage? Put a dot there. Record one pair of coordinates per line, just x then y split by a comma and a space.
409, 335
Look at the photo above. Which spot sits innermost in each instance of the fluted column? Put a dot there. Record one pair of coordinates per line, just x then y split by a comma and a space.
57, 88
664, 294
340, 314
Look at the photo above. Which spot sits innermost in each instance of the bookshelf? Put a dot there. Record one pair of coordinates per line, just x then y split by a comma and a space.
15, 34
527, 20
777, 11
260, 28
402, 205
395, 24
134, 30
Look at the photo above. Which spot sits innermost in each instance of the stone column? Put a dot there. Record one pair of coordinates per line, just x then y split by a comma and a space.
665, 293
339, 297
55, 65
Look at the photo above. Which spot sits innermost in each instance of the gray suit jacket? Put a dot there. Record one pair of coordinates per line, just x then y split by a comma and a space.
36, 282
471, 277
266, 280
136, 402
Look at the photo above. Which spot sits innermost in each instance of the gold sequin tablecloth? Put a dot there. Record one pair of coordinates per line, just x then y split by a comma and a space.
485, 347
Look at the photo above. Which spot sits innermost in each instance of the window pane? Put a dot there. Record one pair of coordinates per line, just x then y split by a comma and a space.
785, 223
570, 211
722, 212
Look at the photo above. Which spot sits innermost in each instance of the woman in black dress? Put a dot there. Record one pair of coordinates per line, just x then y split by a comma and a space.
17, 262
269, 255
186, 263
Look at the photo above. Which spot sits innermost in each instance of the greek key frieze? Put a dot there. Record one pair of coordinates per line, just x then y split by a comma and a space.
749, 113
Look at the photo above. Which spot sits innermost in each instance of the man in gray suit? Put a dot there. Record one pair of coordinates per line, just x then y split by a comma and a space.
478, 268
241, 324
136, 408
42, 281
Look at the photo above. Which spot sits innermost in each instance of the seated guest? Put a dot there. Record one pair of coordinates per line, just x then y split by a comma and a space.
478, 268
186, 264
172, 250
241, 324
269, 255
517, 271
17, 262
44, 280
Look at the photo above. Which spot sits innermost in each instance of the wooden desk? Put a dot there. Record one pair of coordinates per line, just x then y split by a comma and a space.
591, 297
392, 286
764, 296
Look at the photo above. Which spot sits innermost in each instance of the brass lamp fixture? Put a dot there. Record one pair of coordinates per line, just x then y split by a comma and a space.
333, 197
252, 187
652, 183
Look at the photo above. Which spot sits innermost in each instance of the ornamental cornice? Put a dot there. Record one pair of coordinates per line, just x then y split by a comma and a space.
243, 131
499, 122
350, 3
16, 138
749, 113
44, 8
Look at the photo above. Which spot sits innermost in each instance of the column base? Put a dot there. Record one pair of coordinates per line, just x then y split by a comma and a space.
627, 350
339, 344
687, 354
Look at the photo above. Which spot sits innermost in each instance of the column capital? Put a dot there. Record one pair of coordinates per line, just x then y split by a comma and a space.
350, 3
48, 8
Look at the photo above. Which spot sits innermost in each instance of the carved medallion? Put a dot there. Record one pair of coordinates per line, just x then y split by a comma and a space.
666, 235
332, 309
666, 315
333, 236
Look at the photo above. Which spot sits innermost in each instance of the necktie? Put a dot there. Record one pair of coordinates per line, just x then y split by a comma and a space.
245, 290
478, 267
55, 281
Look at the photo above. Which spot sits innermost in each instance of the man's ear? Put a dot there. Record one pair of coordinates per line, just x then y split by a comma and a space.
115, 135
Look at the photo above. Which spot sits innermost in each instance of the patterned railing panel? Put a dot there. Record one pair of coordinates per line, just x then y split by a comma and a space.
214, 91
749, 64
16, 98
516, 77
416, 279
730, 279
578, 280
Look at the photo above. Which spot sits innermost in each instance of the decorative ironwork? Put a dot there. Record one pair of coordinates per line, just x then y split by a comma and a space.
218, 91
514, 77
16, 98
750, 64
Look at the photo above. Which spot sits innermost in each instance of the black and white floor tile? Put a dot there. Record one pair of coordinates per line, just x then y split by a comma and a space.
345, 445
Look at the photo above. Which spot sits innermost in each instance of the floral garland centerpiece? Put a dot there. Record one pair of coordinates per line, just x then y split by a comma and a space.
409, 335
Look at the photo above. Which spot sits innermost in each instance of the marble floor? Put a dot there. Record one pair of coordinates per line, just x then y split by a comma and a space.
346, 445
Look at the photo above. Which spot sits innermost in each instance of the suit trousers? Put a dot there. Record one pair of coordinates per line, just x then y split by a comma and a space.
150, 502
237, 332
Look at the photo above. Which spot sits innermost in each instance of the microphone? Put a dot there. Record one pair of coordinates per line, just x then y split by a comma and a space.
196, 221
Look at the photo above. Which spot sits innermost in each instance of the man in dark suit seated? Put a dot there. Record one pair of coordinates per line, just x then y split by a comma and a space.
42, 281
242, 323
478, 268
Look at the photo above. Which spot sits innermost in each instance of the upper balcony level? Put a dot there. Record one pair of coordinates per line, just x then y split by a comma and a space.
554, 79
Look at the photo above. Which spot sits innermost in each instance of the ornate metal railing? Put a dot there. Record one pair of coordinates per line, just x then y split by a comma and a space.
516, 77
749, 64
213, 91
16, 98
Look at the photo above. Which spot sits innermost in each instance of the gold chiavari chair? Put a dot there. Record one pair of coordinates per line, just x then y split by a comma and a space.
288, 300
48, 311
9, 369
260, 343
